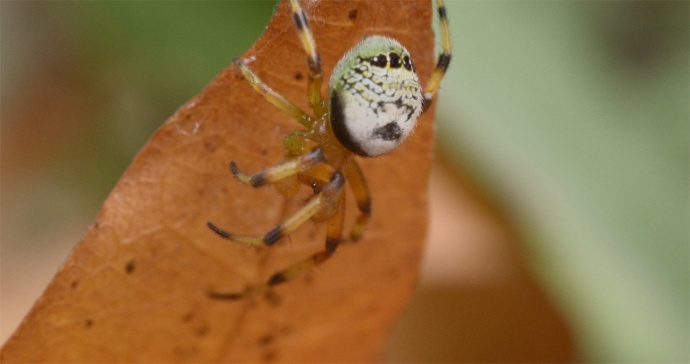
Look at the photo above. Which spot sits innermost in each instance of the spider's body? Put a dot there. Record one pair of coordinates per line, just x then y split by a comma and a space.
374, 97
374, 101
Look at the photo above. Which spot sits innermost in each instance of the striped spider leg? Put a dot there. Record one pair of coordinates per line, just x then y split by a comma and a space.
374, 101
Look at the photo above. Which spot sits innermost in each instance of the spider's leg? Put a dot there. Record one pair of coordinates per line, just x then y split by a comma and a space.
313, 58
288, 168
443, 58
360, 190
271, 96
329, 194
334, 230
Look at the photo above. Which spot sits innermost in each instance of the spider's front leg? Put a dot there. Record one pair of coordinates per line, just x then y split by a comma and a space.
331, 195
306, 37
271, 96
288, 168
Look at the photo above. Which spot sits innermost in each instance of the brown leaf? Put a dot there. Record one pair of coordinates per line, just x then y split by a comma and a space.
135, 288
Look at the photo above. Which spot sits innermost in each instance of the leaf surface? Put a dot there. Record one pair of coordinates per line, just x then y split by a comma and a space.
135, 288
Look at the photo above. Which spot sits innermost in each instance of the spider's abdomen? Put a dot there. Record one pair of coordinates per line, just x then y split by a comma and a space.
374, 97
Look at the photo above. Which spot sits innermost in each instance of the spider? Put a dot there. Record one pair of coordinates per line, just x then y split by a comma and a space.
374, 101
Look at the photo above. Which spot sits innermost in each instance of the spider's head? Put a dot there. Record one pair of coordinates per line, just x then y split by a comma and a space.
374, 97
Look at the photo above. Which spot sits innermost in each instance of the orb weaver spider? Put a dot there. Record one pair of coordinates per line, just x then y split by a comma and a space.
374, 100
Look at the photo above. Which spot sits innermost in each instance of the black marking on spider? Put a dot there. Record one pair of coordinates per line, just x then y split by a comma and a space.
274, 235
390, 132
444, 61
394, 60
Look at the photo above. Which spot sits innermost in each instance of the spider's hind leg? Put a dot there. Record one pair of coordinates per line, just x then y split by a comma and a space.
331, 193
360, 190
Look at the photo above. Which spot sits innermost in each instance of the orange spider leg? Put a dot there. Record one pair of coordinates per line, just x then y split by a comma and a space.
288, 168
273, 174
331, 194
360, 190
271, 96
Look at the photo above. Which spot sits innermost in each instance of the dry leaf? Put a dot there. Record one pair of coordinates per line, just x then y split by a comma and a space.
135, 288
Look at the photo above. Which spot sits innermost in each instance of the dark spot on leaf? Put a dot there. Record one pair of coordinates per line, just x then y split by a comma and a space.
270, 356
202, 330
188, 316
130, 266
308, 279
74, 284
273, 298
266, 339
298, 76
312, 233
209, 146
352, 15
89, 323
185, 352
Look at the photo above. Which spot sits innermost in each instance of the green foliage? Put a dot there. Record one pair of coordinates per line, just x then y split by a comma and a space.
575, 116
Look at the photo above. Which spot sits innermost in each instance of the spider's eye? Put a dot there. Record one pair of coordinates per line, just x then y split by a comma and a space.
395, 60
379, 61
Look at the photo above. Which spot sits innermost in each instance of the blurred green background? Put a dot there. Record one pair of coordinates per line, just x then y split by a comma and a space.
572, 116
